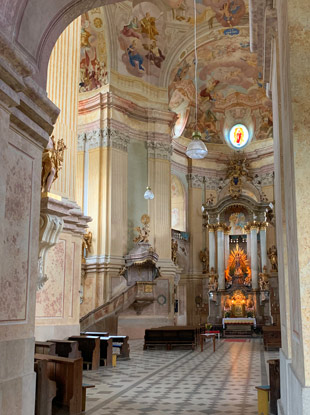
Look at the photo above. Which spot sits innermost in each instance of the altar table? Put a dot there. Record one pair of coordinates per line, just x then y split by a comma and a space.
239, 320
204, 336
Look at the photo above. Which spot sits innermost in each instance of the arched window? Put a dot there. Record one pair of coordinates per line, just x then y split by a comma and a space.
178, 204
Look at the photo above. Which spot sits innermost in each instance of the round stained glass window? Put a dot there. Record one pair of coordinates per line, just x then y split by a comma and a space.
238, 136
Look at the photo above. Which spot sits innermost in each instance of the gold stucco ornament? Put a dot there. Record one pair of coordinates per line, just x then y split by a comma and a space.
144, 231
52, 160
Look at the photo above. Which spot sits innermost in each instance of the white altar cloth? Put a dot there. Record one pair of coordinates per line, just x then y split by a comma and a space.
239, 320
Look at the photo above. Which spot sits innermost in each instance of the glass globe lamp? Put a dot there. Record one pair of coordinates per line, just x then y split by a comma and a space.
148, 194
196, 149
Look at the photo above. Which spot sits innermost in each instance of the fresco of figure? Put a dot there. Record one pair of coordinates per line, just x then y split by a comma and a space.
155, 54
131, 29
148, 26
134, 56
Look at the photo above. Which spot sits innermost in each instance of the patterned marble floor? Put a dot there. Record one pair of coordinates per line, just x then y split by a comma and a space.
180, 382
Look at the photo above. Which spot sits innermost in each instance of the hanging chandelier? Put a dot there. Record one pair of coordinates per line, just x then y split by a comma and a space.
196, 149
148, 194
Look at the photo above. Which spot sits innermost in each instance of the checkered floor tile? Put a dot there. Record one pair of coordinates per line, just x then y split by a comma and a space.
180, 382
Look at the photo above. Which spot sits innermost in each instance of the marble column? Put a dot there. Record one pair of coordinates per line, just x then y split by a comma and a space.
263, 244
226, 243
86, 171
220, 256
63, 90
247, 229
211, 247
254, 265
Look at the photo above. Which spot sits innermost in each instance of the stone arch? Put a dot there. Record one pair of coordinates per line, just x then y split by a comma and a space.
35, 32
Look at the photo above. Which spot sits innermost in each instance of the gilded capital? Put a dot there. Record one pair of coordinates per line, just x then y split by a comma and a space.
263, 226
220, 227
247, 229
227, 230
212, 228
254, 225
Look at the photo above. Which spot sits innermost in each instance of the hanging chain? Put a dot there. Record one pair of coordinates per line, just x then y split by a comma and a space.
196, 64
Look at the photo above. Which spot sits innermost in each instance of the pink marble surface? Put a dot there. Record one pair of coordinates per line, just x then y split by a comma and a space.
50, 300
14, 282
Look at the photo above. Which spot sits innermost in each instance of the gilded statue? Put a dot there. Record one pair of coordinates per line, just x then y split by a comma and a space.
213, 280
264, 280
87, 243
236, 171
250, 302
174, 250
144, 231
238, 270
52, 160
204, 258
273, 257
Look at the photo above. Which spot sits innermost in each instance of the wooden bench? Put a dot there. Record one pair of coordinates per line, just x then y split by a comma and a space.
45, 389
67, 373
196, 329
170, 337
67, 348
45, 348
118, 341
95, 333
274, 377
271, 337
84, 387
106, 350
89, 346
122, 343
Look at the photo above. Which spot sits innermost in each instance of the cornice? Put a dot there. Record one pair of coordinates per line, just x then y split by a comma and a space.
109, 100
118, 135
73, 219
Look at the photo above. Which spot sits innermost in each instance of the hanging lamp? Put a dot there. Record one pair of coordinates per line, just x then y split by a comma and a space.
148, 194
196, 149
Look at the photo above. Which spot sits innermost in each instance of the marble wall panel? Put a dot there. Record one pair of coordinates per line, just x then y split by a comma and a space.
15, 276
50, 299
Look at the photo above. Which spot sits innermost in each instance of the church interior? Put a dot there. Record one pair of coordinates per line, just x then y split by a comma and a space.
154, 207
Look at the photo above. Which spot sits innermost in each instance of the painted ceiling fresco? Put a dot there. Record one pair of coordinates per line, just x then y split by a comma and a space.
147, 30
229, 87
142, 37
93, 60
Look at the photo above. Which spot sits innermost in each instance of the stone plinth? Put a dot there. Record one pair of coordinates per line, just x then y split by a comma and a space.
58, 298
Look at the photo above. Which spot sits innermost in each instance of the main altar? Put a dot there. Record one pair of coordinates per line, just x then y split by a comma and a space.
238, 282
239, 302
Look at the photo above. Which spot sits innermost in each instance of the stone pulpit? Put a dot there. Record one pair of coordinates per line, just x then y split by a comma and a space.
140, 264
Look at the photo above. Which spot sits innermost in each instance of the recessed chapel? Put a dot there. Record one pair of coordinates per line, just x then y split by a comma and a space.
154, 207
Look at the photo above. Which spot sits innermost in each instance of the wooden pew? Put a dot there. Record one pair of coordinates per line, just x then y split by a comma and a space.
89, 346
45, 348
196, 329
122, 343
169, 337
45, 389
271, 337
85, 386
106, 350
67, 348
95, 333
67, 373
274, 377
118, 341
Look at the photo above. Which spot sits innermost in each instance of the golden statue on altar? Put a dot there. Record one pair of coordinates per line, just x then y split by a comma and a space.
238, 271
